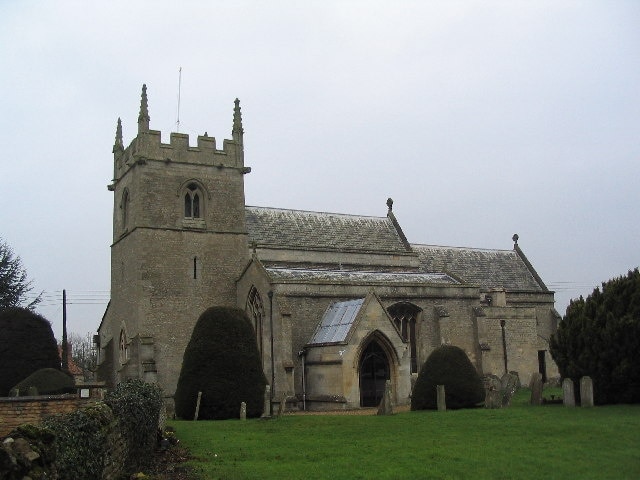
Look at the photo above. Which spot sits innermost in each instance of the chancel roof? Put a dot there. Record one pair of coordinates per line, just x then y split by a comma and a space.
305, 275
485, 268
297, 229
336, 322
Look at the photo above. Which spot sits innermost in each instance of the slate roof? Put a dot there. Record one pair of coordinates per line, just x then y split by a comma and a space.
302, 275
336, 322
485, 268
297, 229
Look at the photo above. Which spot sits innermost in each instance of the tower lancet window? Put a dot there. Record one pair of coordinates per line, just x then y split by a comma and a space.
192, 201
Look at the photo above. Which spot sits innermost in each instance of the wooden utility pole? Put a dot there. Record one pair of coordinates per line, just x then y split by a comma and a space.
65, 347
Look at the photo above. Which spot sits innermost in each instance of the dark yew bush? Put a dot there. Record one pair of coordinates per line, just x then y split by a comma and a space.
449, 366
47, 381
223, 362
27, 344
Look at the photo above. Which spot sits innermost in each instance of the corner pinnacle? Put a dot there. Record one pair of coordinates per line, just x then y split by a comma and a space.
143, 117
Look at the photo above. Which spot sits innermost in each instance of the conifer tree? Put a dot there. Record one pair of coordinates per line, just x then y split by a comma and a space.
27, 344
600, 337
14, 285
223, 362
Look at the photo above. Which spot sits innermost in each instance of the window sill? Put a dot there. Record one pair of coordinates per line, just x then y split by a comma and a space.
194, 223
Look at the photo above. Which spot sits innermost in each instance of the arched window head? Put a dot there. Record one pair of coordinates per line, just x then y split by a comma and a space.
255, 311
404, 315
192, 198
123, 347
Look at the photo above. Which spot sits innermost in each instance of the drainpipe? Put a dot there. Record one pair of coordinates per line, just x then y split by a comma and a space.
273, 372
504, 345
302, 354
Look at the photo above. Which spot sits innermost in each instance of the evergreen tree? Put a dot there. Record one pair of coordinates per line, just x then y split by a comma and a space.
223, 362
600, 337
447, 365
27, 344
14, 285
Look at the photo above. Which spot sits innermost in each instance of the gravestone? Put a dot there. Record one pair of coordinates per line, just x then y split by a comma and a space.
441, 398
243, 411
568, 395
493, 396
282, 406
266, 410
386, 405
197, 412
586, 392
508, 386
536, 388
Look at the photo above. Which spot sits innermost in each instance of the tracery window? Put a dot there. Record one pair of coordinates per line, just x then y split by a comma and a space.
404, 315
192, 200
123, 347
255, 311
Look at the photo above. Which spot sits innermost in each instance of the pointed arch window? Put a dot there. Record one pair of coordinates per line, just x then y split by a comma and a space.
404, 315
123, 347
255, 311
192, 201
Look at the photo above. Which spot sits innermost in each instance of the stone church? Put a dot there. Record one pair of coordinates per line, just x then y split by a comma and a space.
339, 303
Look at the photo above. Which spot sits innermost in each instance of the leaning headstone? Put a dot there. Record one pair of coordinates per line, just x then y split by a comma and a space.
197, 412
441, 398
536, 388
386, 405
493, 395
509, 386
586, 392
568, 395
243, 411
266, 410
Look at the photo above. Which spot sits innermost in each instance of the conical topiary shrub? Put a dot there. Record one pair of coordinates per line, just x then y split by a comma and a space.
27, 344
449, 366
221, 361
47, 381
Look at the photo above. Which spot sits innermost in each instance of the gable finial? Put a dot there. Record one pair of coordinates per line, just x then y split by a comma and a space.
118, 145
143, 117
515, 239
237, 130
390, 204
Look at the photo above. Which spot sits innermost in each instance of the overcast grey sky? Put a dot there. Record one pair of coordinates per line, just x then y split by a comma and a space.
480, 119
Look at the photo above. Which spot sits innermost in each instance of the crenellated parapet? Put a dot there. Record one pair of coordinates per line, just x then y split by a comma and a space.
147, 146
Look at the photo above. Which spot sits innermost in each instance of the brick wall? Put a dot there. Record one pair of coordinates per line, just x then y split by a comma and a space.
15, 411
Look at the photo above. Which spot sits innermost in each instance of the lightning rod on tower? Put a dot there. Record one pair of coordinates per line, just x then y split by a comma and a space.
179, 87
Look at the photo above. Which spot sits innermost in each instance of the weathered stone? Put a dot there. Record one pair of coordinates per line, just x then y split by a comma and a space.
266, 410
441, 398
568, 395
536, 388
509, 386
386, 405
586, 392
493, 395
243, 411
282, 406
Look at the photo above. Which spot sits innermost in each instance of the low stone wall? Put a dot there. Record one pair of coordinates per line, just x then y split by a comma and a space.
15, 411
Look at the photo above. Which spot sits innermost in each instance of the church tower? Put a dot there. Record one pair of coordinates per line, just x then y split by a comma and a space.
179, 245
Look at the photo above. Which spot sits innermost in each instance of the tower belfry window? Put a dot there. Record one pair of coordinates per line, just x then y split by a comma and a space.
192, 202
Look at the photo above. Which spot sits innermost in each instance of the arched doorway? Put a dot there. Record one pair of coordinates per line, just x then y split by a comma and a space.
374, 372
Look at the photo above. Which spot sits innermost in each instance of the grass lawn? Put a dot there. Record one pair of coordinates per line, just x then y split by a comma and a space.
520, 442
